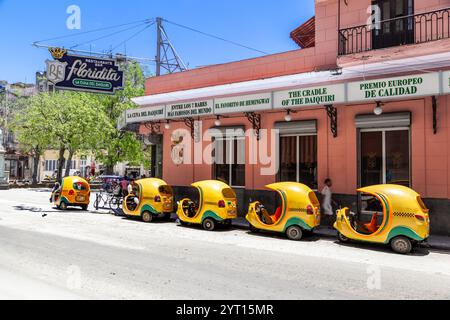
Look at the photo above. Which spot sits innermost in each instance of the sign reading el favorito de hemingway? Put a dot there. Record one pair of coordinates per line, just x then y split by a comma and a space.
391, 88
190, 109
248, 103
146, 114
306, 97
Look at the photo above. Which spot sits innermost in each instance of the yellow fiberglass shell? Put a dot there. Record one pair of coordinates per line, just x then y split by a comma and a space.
211, 193
402, 207
295, 200
75, 191
148, 190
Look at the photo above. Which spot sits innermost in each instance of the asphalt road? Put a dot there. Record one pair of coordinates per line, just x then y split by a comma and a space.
47, 254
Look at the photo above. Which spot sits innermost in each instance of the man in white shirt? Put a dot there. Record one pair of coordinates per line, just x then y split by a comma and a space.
327, 200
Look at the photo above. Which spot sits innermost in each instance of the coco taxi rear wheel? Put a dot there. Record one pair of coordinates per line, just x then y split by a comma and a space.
342, 238
147, 217
294, 233
401, 245
63, 206
253, 229
209, 224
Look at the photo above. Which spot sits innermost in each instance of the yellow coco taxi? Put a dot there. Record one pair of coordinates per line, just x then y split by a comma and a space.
151, 198
299, 211
216, 204
399, 218
74, 192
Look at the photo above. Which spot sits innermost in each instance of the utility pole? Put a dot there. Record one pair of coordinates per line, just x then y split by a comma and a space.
158, 46
167, 58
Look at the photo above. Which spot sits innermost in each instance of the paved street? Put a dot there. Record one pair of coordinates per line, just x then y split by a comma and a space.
78, 255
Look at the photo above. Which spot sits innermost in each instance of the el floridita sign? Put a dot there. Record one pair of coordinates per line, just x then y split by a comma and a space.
71, 72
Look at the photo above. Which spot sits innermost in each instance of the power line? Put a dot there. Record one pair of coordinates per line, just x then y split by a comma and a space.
215, 37
96, 30
106, 36
132, 37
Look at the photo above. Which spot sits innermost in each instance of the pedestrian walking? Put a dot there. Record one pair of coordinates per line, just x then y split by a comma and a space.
124, 185
55, 191
327, 203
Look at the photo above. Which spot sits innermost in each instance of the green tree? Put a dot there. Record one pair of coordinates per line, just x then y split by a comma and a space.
31, 131
66, 121
119, 146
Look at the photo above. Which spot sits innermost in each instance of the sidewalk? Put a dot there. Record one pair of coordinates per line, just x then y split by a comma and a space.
434, 242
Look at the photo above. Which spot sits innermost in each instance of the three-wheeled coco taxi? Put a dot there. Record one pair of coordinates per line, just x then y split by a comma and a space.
399, 218
299, 211
74, 192
217, 204
151, 198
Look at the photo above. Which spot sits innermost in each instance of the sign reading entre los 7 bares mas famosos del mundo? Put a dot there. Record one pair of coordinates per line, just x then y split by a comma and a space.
73, 72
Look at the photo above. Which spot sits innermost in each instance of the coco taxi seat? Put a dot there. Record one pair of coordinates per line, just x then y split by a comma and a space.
278, 215
372, 226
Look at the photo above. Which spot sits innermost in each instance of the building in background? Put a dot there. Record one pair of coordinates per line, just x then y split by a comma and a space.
17, 164
360, 103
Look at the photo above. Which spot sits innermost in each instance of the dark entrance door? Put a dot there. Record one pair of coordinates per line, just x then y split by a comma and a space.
397, 24
156, 169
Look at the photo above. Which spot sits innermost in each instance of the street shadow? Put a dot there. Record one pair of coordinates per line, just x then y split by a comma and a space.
436, 251
198, 227
307, 236
375, 247
40, 190
155, 221
24, 208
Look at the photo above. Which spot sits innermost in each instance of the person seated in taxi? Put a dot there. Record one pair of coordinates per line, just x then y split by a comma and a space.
133, 191
265, 217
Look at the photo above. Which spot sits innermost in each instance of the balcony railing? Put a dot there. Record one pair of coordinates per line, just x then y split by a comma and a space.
413, 29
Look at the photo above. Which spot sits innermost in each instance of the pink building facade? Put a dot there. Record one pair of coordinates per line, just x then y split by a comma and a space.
367, 103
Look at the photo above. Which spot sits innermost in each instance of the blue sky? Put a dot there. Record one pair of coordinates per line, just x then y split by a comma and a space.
262, 24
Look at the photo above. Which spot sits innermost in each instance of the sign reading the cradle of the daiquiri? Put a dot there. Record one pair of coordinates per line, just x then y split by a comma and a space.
248, 103
446, 77
395, 88
190, 109
306, 97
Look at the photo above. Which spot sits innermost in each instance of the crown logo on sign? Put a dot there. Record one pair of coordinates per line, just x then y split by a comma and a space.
57, 53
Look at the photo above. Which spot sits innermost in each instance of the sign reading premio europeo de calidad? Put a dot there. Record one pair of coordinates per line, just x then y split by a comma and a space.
73, 72
306, 97
394, 88
190, 109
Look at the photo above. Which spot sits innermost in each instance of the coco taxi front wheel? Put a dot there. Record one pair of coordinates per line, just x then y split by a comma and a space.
294, 233
147, 217
209, 224
401, 245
